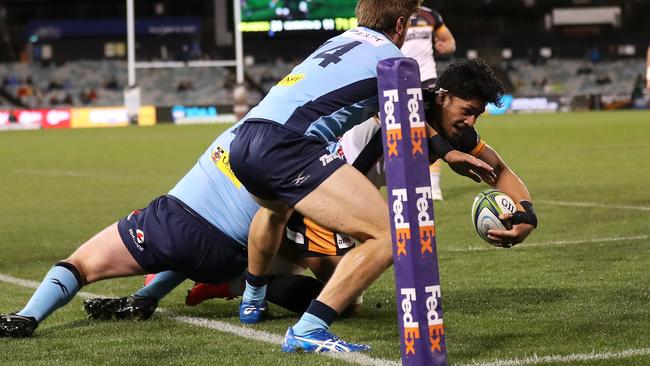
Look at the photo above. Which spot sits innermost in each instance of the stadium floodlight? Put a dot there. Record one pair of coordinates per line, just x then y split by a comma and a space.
626, 49
546, 52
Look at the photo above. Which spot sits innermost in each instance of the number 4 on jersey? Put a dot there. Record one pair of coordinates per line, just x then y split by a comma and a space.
333, 55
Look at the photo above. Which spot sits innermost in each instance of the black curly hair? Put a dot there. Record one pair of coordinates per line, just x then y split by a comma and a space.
470, 79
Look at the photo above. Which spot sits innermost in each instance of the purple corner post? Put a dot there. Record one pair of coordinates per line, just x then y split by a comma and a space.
417, 275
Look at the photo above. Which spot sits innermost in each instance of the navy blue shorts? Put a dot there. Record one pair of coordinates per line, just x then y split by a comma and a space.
274, 163
168, 235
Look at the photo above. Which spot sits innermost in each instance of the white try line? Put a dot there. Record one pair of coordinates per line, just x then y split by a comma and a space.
244, 332
356, 358
551, 243
595, 205
574, 357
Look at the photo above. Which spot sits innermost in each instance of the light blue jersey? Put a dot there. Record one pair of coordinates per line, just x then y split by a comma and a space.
211, 189
334, 89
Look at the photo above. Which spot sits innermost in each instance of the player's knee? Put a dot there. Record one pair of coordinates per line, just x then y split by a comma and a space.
379, 232
81, 278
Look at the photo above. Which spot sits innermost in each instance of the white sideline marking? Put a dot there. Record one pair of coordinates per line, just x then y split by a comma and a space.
553, 243
535, 359
596, 205
357, 358
244, 332
65, 173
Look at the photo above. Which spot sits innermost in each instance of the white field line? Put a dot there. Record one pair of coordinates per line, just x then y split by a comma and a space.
357, 358
244, 332
595, 205
552, 243
574, 357
61, 173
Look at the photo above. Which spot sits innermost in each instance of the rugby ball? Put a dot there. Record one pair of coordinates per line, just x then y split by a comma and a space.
487, 207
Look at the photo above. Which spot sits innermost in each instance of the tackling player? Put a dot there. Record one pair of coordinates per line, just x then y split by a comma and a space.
428, 32
199, 230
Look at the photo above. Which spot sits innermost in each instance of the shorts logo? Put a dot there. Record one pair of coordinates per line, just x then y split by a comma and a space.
402, 228
411, 327
393, 128
418, 131
344, 241
300, 179
425, 223
434, 319
138, 238
328, 158
291, 79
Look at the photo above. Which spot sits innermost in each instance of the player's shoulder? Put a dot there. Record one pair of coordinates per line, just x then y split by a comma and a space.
427, 16
469, 142
370, 42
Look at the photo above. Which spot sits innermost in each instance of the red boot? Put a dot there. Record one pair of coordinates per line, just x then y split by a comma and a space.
148, 278
205, 291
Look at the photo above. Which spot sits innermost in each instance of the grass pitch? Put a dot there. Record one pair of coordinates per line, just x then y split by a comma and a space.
578, 285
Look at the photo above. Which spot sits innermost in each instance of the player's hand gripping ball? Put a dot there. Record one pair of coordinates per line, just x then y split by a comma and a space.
487, 207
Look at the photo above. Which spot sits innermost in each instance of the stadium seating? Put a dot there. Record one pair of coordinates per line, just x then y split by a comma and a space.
100, 83
105, 80
575, 77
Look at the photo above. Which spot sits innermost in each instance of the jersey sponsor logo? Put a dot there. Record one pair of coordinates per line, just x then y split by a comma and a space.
419, 33
418, 132
373, 39
291, 79
434, 318
425, 221
402, 227
393, 127
221, 160
411, 327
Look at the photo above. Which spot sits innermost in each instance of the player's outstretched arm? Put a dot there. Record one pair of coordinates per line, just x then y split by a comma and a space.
508, 182
460, 162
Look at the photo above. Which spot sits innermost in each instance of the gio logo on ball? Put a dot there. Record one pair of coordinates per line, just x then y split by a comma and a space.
487, 207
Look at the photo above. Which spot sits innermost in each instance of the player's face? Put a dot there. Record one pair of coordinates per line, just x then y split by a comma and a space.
457, 114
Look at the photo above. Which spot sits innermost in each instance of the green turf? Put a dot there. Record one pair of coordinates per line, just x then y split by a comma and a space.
543, 297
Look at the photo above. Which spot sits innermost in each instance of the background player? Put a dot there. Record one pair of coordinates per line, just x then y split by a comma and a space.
427, 33
647, 74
